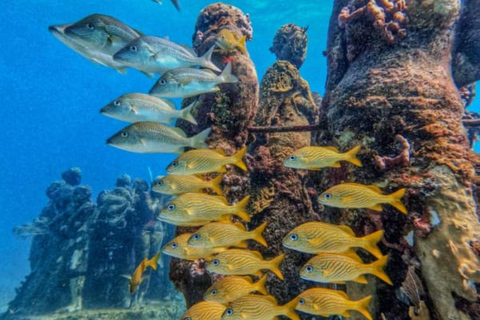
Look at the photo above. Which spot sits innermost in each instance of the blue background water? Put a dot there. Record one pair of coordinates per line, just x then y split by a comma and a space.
51, 98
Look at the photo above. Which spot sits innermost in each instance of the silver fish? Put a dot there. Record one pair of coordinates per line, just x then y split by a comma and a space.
137, 107
93, 55
189, 82
176, 3
153, 137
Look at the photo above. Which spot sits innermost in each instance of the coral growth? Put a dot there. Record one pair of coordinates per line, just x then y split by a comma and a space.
291, 44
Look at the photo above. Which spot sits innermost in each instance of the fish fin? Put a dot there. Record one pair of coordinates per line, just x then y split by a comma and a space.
332, 149
198, 141
188, 48
352, 255
315, 168
153, 262
378, 269
346, 314
242, 244
134, 110
288, 309
260, 285
361, 279
238, 158
377, 207
179, 131
275, 266
226, 76
185, 81
214, 184
258, 273
225, 219
223, 169
176, 3
206, 60
316, 306
126, 276
370, 243
336, 165
362, 307
170, 103
374, 188
257, 234
148, 74
187, 113
396, 198
239, 225
121, 70
346, 229
179, 151
242, 45
352, 156
220, 152
241, 209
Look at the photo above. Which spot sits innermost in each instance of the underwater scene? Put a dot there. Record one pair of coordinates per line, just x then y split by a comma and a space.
240, 160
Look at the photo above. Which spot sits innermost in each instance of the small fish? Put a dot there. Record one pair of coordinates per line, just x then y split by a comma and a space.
102, 33
315, 158
153, 137
176, 3
197, 209
244, 262
354, 195
228, 40
327, 302
318, 237
206, 161
256, 307
231, 288
137, 276
177, 184
204, 310
218, 234
341, 267
179, 248
158, 55
94, 56
189, 82
137, 107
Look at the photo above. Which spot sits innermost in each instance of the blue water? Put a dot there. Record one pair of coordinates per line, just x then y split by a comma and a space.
51, 98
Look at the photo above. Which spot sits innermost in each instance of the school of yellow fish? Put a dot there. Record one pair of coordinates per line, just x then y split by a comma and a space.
222, 243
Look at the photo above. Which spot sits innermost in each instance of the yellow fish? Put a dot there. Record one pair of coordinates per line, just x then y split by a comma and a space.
205, 161
315, 158
176, 184
218, 234
341, 267
354, 195
256, 307
326, 302
231, 288
244, 262
228, 40
198, 209
137, 276
179, 248
204, 310
318, 237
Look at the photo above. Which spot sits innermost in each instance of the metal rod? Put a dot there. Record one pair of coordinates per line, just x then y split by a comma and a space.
285, 129
471, 122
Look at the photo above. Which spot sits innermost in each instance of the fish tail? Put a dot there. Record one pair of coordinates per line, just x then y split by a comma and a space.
177, 5
362, 307
198, 141
260, 285
352, 156
206, 60
153, 262
226, 76
241, 209
395, 200
215, 184
370, 243
187, 113
238, 159
274, 266
378, 269
257, 234
242, 45
288, 309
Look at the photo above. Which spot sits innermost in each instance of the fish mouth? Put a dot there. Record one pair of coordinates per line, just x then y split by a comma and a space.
55, 29
110, 141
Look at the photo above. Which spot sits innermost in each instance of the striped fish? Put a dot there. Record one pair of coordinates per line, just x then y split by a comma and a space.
175, 184
218, 234
256, 307
315, 158
231, 288
318, 237
326, 302
354, 195
244, 262
205, 161
179, 248
198, 209
204, 310
341, 267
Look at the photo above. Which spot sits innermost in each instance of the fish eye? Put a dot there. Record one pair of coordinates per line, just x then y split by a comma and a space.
174, 163
294, 237
160, 183
90, 26
328, 196
301, 301
187, 318
293, 158
162, 82
229, 312
214, 292
124, 134
116, 102
174, 245
171, 207
215, 262
309, 268
196, 236
133, 48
